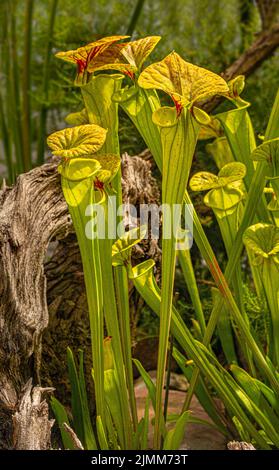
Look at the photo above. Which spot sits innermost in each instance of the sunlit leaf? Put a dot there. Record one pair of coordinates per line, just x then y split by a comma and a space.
263, 240
236, 85
257, 391
111, 59
121, 249
221, 151
175, 436
230, 173
77, 119
79, 169
136, 52
262, 243
151, 387
115, 57
223, 199
184, 82
101, 434
112, 391
76, 398
84, 55
77, 141
110, 165
269, 152
203, 181
211, 129
61, 416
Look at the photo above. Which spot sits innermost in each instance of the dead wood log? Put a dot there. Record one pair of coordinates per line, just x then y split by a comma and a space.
31, 213
36, 293
236, 445
31, 424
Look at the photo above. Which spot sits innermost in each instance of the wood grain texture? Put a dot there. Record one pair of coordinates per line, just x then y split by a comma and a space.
31, 214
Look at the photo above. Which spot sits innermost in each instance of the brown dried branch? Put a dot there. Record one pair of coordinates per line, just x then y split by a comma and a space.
262, 48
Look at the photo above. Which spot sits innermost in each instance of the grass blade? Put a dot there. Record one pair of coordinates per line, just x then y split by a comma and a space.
175, 436
45, 84
61, 418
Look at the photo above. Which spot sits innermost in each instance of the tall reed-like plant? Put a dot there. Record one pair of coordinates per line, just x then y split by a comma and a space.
18, 122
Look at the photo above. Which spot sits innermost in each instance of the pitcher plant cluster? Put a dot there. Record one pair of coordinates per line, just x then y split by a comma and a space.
244, 197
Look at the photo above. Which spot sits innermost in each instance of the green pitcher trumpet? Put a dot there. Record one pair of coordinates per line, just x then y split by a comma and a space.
139, 104
102, 110
225, 197
179, 128
127, 58
262, 241
83, 56
78, 178
269, 152
220, 151
240, 135
113, 394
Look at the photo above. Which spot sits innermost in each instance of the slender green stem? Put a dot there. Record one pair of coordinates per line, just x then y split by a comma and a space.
148, 289
178, 137
13, 89
135, 17
112, 324
167, 388
222, 282
92, 266
272, 128
97, 95
26, 86
6, 142
229, 230
45, 84
121, 288
189, 275
168, 267
122, 296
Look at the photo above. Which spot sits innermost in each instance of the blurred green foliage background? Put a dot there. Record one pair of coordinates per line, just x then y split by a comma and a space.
37, 92
211, 34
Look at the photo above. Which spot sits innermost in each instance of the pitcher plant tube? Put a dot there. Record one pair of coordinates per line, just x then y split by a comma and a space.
179, 127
